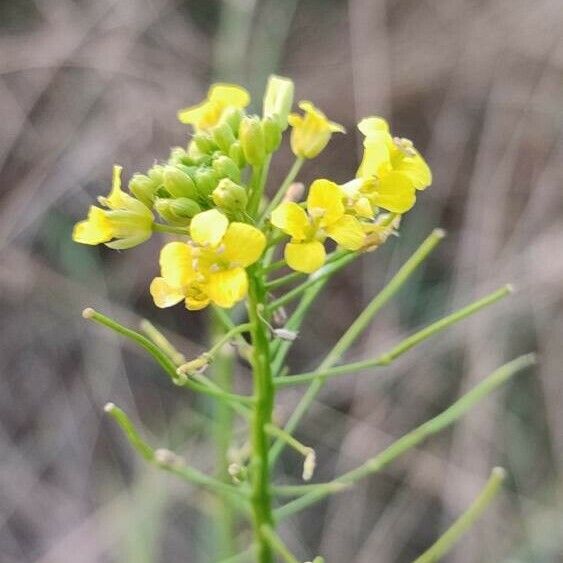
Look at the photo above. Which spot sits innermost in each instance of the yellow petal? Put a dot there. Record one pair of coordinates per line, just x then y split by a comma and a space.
305, 257
325, 200
291, 219
176, 264
417, 170
208, 228
227, 287
243, 244
347, 232
395, 192
363, 208
229, 95
163, 294
115, 198
377, 158
95, 229
373, 125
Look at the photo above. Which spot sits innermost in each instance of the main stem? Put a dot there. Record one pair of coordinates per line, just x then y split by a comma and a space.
264, 397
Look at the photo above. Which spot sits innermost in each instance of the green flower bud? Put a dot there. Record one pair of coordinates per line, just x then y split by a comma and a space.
177, 211
178, 183
206, 181
223, 136
226, 168
272, 133
155, 173
178, 155
237, 155
143, 188
251, 139
204, 143
278, 99
229, 196
232, 116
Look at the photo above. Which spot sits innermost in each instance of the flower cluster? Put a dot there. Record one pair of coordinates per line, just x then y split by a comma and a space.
211, 197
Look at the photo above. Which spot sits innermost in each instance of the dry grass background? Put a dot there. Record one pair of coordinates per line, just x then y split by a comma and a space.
477, 84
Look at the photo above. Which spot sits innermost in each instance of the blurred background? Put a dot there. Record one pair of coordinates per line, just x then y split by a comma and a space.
478, 86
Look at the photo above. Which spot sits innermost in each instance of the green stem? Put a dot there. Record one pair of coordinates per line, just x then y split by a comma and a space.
277, 544
289, 179
416, 436
355, 329
274, 430
408, 343
264, 397
258, 182
466, 520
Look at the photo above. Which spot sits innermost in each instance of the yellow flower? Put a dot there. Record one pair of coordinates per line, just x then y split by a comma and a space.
127, 220
391, 169
325, 217
380, 230
311, 132
211, 267
208, 113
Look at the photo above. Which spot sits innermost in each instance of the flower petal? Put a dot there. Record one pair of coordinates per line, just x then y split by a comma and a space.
291, 219
371, 125
176, 264
208, 228
347, 232
417, 170
227, 287
305, 257
377, 158
243, 244
95, 229
325, 199
165, 295
229, 95
395, 192
196, 298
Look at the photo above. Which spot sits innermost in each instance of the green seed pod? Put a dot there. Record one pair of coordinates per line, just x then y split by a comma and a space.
206, 181
178, 183
251, 139
143, 188
223, 136
272, 133
226, 168
229, 196
237, 155
177, 211
204, 143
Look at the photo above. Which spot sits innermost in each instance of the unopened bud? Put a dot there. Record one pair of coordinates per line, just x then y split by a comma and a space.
285, 334
206, 181
309, 465
143, 188
178, 155
229, 196
226, 168
237, 155
167, 458
272, 134
178, 183
232, 116
223, 136
237, 472
278, 99
204, 143
177, 211
251, 137
295, 192
155, 173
